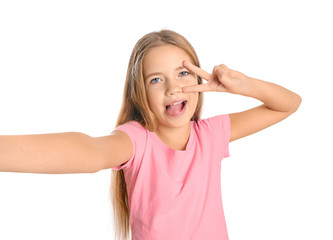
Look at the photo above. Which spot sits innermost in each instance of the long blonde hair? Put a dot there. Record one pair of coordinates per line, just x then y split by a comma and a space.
135, 107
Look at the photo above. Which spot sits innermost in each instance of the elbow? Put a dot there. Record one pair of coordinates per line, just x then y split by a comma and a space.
297, 102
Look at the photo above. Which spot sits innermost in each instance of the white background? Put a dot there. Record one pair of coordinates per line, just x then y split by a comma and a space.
62, 69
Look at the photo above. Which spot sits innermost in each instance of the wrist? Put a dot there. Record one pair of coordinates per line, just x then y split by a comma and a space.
248, 88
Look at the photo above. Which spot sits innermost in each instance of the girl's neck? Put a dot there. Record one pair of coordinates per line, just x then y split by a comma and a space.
175, 138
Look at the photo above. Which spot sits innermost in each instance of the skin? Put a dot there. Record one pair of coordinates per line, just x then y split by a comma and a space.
166, 87
278, 102
40, 153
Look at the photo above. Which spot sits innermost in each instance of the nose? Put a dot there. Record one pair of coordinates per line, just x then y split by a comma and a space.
173, 88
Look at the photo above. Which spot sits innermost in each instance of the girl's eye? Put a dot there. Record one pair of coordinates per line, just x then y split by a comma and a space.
185, 72
153, 81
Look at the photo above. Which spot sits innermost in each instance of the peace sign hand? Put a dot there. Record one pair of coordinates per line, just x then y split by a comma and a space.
222, 79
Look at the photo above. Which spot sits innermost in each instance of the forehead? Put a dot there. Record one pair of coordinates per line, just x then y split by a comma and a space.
164, 57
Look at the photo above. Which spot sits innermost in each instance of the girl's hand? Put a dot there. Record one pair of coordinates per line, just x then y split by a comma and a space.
222, 79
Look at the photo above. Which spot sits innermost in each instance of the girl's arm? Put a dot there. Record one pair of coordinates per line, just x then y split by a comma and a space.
279, 102
70, 152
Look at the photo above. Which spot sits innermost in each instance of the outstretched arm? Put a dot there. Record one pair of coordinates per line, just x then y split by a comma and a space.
69, 152
279, 102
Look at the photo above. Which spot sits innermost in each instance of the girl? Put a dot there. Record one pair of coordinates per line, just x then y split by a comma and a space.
165, 159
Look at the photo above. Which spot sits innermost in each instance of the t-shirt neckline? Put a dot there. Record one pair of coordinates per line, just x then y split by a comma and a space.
163, 145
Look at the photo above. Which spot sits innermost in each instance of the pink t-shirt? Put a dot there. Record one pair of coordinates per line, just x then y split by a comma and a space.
176, 194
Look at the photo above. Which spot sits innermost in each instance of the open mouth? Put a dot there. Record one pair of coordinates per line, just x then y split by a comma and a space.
183, 104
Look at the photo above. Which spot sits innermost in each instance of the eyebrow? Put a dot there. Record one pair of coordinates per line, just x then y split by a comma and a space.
159, 73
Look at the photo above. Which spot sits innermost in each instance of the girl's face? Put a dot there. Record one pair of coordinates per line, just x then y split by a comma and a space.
164, 77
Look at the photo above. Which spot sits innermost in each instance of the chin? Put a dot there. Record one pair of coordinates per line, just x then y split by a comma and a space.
178, 122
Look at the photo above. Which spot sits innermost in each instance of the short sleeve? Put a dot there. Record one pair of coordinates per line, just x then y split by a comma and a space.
137, 133
222, 129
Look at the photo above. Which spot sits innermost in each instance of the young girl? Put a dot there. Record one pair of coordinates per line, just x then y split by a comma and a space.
166, 161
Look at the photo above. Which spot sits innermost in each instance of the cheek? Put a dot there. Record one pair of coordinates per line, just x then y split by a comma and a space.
195, 96
194, 100
153, 98
191, 81
149, 99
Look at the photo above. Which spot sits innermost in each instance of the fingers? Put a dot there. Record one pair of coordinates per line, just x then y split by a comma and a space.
198, 71
223, 73
197, 88
222, 67
217, 81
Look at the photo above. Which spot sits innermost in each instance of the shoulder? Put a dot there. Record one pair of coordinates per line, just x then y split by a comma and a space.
136, 137
134, 130
214, 123
216, 132
131, 123
131, 128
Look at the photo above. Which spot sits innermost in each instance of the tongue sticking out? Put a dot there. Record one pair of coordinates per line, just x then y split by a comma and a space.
174, 110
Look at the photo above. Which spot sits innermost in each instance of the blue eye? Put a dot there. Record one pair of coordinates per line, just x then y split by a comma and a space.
153, 81
185, 72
